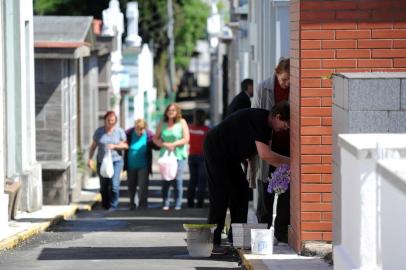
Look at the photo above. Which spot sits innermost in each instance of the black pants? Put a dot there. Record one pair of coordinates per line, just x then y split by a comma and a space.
227, 188
282, 219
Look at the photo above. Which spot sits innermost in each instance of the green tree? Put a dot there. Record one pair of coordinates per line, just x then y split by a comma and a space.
190, 25
190, 18
71, 7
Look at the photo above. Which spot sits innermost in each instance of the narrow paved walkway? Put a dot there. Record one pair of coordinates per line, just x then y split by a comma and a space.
123, 239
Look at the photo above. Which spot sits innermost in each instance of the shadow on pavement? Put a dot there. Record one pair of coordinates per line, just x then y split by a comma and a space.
122, 253
216, 268
145, 220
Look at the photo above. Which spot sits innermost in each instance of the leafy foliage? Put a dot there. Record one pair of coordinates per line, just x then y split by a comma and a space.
190, 18
189, 25
71, 7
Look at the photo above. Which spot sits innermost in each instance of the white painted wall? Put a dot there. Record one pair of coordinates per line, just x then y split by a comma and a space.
269, 36
3, 197
357, 190
21, 164
146, 80
143, 94
113, 25
392, 175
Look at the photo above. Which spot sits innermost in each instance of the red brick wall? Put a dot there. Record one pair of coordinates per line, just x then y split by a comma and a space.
330, 37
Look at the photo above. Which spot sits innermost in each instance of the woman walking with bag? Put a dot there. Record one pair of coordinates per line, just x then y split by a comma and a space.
138, 162
109, 138
172, 135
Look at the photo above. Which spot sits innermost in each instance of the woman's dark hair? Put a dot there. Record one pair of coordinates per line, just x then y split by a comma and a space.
199, 116
108, 114
178, 112
283, 109
283, 66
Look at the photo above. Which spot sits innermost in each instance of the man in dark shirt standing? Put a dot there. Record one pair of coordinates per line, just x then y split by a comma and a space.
242, 100
240, 136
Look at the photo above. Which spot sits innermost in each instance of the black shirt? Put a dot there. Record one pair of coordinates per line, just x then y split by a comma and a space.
234, 138
240, 101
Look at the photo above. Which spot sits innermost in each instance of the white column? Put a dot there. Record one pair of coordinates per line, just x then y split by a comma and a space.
3, 197
392, 174
113, 25
30, 174
357, 191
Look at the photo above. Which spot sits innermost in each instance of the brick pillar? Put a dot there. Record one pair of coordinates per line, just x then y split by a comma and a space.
331, 37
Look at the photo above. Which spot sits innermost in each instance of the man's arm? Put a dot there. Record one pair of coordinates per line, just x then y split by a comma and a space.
269, 156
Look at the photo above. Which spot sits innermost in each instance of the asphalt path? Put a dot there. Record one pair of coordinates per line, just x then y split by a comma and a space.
122, 239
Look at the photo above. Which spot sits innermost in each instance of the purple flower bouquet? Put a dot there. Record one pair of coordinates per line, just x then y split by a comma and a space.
279, 180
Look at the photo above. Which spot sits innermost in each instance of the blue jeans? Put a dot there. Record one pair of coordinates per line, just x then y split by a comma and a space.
110, 187
197, 180
177, 184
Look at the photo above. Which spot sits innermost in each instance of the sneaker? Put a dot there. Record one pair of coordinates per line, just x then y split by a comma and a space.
178, 207
165, 208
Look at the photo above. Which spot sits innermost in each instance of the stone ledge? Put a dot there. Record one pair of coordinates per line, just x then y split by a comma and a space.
316, 248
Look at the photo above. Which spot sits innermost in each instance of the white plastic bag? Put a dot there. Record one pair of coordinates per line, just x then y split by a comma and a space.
168, 165
107, 168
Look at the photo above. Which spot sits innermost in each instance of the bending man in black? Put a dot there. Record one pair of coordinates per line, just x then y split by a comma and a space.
240, 136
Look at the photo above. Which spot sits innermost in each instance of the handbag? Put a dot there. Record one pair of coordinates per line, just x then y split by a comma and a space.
107, 168
168, 165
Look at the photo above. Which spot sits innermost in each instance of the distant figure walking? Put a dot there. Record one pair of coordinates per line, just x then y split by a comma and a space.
172, 134
109, 137
242, 100
198, 131
138, 162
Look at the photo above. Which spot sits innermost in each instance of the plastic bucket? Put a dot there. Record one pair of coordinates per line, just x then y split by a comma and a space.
199, 241
242, 233
262, 241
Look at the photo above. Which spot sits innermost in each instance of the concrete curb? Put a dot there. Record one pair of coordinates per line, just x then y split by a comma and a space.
89, 206
34, 230
283, 257
250, 264
37, 228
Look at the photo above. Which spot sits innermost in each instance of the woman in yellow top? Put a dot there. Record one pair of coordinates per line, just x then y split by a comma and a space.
172, 134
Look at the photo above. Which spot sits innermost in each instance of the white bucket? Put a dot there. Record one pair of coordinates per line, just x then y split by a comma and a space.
262, 241
199, 241
242, 233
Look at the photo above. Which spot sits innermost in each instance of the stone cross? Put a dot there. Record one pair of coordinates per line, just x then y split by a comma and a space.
133, 39
113, 19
